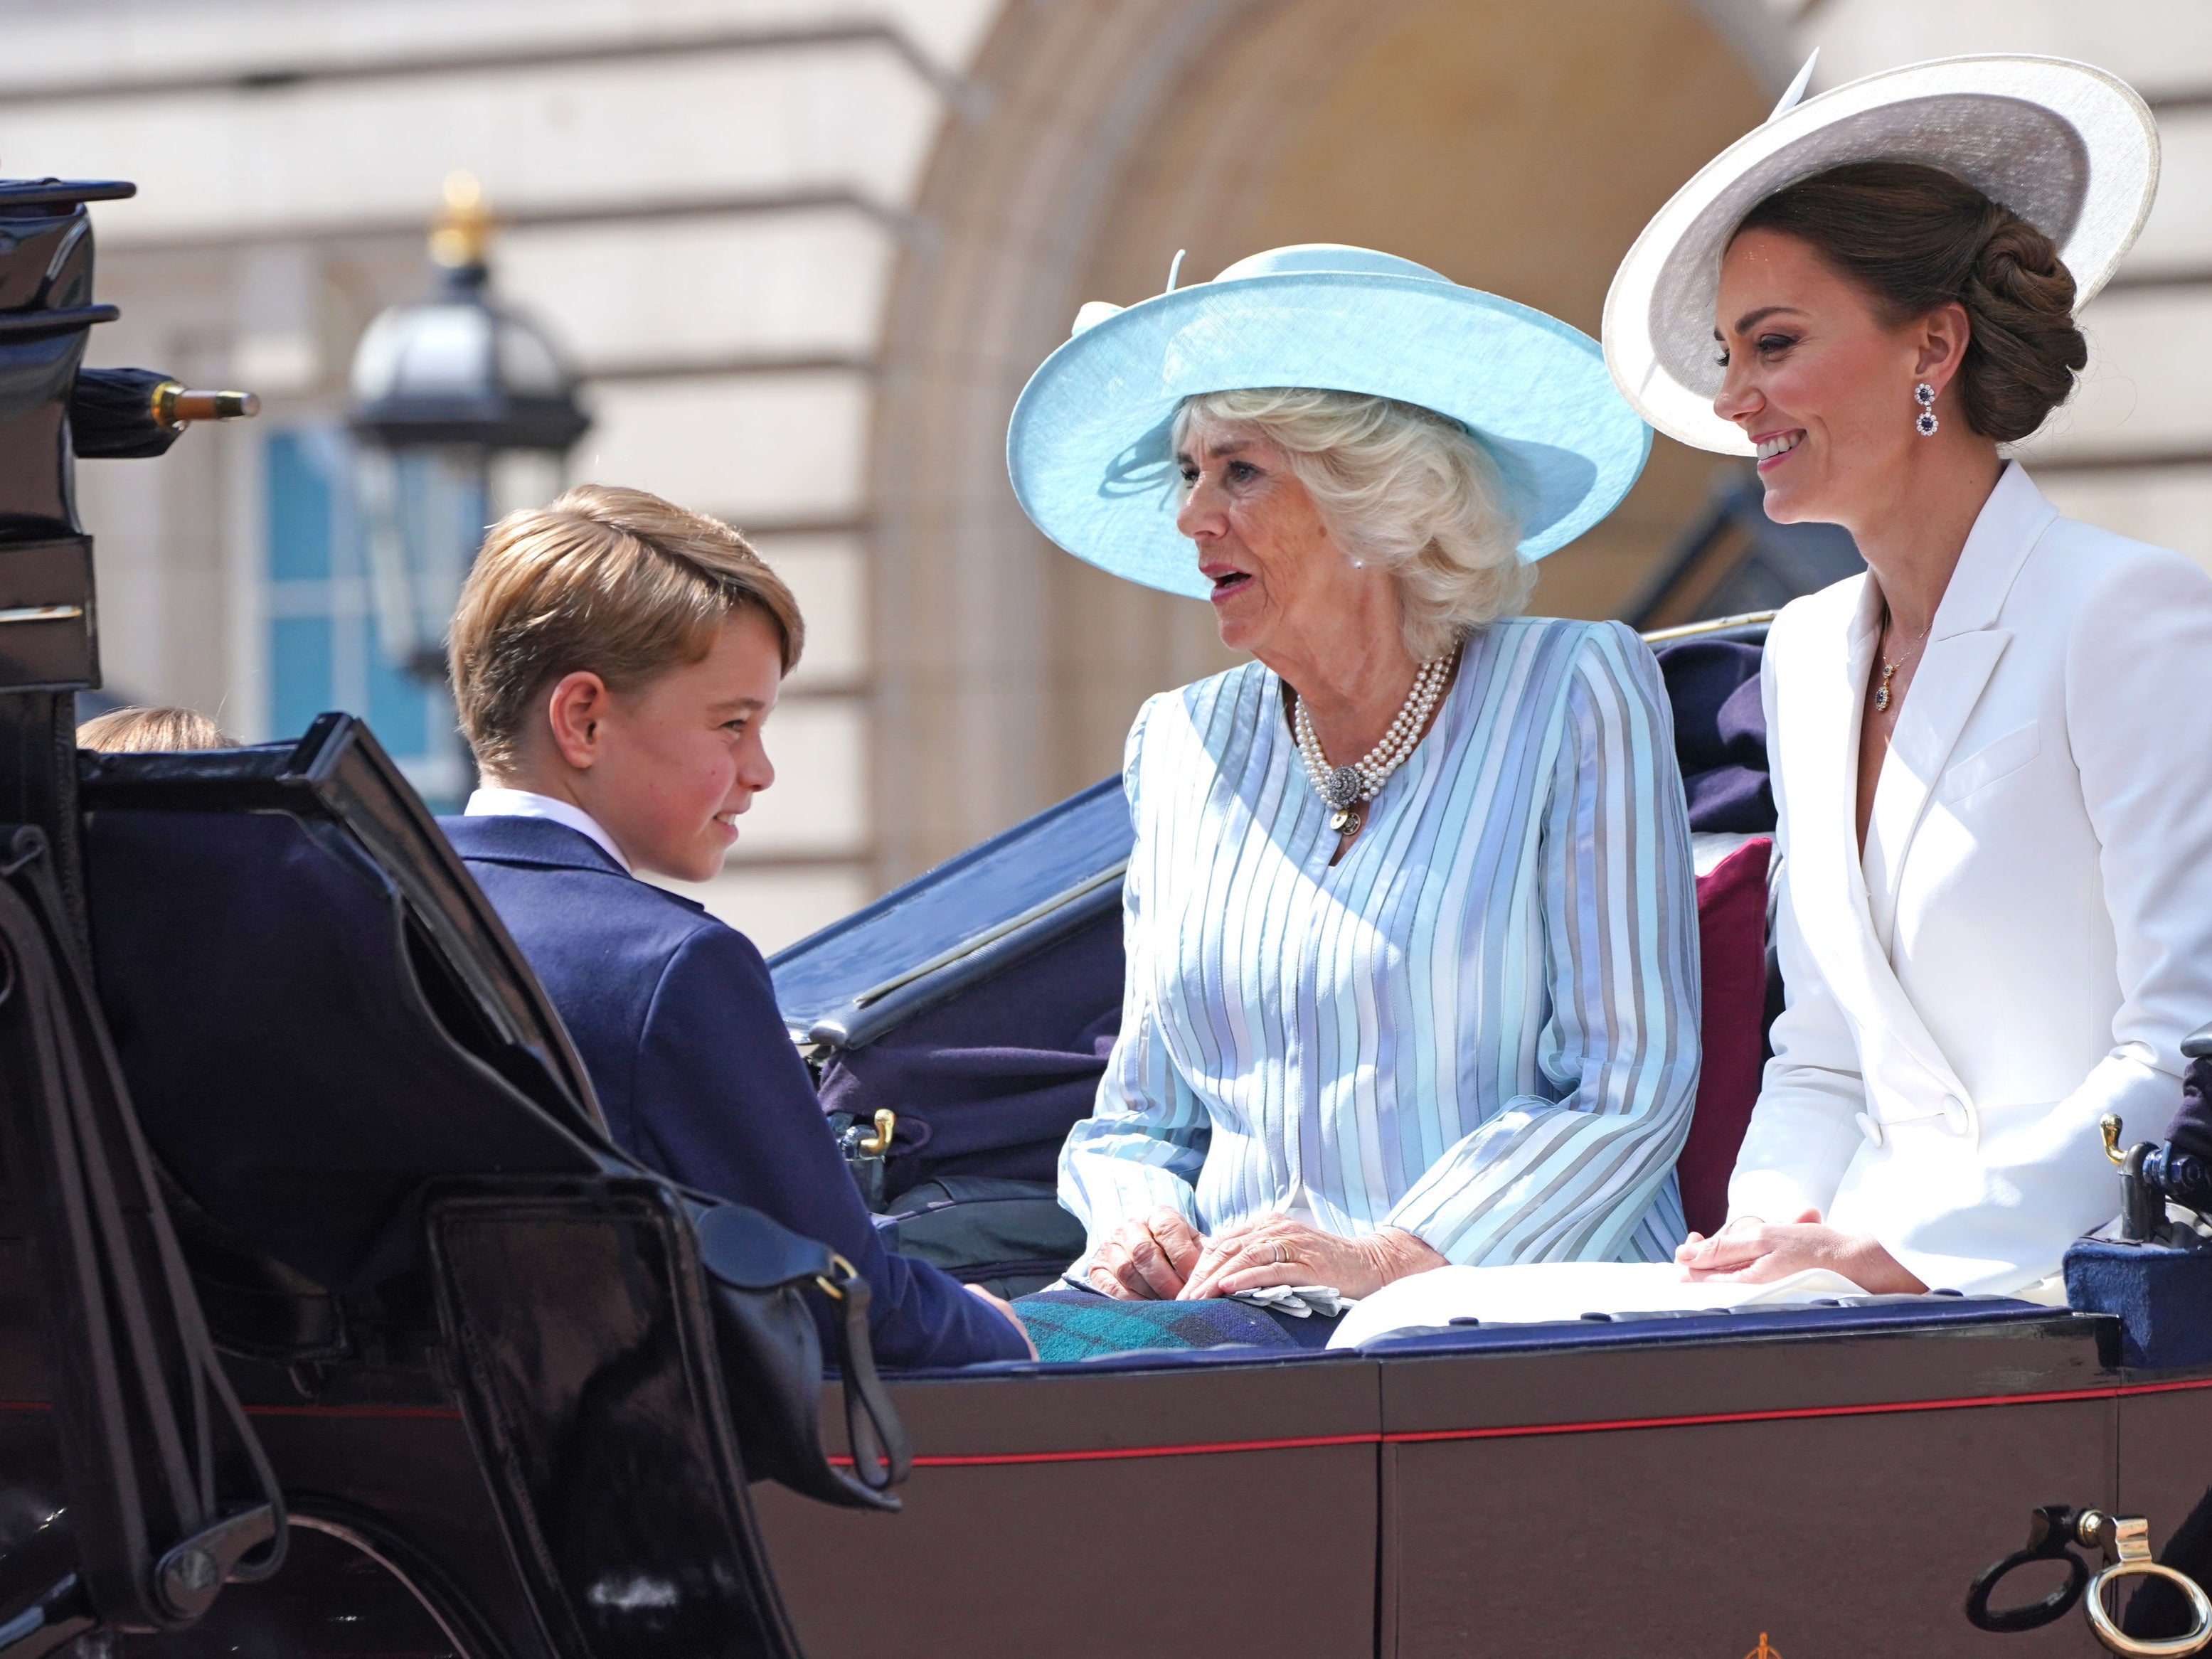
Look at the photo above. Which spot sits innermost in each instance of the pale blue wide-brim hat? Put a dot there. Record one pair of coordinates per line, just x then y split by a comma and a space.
1089, 448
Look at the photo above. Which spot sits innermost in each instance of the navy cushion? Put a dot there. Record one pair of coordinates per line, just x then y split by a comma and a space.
2162, 1295
1720, 734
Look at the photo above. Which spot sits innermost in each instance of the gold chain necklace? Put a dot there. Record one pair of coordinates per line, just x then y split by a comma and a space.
1881, 698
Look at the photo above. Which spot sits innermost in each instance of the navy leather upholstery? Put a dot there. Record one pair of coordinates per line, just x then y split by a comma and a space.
300, 1056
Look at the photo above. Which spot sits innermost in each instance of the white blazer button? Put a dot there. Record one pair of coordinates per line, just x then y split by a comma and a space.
1955, 1115
1871, 1129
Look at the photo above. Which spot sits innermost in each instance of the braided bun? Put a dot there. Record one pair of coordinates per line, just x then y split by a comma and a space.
1916, 238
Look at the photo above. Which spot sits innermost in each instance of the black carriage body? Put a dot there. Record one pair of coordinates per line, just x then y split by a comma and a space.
1831, 1478
477, 1351
1826, 1479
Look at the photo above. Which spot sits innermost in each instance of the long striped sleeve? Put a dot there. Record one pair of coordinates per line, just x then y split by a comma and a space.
1575, 1179
1146, 1140
1479, 1024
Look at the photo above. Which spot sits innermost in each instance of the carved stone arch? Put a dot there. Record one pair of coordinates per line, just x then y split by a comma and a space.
1098, 138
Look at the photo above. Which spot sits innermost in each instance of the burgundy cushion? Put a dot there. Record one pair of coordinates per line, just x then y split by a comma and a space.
1732, 960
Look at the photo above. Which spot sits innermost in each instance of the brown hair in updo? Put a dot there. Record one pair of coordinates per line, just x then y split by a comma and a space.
1917, 238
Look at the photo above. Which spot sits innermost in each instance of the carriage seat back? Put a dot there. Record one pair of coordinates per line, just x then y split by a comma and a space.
315, 1011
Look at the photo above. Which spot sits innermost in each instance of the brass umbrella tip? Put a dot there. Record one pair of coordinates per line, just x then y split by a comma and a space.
174, 405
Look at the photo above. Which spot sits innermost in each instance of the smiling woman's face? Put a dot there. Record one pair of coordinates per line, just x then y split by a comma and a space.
1278, 577
1815, 377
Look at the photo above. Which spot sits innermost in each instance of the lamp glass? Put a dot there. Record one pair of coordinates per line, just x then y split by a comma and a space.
426, 351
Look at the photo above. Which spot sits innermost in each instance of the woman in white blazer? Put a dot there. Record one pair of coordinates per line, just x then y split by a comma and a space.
1992, 752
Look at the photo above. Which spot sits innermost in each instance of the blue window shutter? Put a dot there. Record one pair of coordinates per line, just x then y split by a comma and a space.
299, 512
398, 704
299, 672
322, 639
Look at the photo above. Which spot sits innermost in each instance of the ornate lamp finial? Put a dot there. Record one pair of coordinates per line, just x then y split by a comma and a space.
458, 239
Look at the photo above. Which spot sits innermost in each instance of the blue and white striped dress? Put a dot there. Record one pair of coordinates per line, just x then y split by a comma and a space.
1480, 1027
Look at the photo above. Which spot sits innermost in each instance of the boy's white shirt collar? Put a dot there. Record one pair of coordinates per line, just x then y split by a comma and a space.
494, 802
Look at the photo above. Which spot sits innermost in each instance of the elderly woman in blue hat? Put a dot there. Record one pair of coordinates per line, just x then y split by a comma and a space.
1410, 921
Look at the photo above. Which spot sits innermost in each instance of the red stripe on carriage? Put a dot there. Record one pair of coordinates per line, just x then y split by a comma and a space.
1520, 1431
1403, 1437
1786, 1413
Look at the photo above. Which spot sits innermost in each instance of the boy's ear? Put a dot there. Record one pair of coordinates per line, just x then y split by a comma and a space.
576, 709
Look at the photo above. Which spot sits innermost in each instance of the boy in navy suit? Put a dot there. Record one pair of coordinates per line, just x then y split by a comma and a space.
614, 660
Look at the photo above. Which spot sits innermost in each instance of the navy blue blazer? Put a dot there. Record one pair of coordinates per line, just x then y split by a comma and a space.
675, 1017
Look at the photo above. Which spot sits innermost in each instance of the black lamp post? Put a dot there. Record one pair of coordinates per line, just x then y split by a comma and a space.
463, 411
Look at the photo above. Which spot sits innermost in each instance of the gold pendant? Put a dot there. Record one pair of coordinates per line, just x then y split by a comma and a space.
1347, 820
1881, 691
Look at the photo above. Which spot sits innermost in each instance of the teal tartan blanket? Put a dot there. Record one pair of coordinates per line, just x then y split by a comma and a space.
1071, 1324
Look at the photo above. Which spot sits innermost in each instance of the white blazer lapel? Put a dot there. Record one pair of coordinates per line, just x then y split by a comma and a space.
1820, 734
1819, 713
1945, 688
1963, 651
1964, 647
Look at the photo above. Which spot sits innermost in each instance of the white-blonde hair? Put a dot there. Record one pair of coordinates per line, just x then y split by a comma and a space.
1398, 486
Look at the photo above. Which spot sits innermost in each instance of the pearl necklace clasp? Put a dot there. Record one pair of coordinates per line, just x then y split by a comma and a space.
1345, 789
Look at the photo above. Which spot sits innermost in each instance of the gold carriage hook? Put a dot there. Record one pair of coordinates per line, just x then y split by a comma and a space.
2126, 1540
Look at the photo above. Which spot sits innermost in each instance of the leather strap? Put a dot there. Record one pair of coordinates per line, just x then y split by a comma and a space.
882, 1454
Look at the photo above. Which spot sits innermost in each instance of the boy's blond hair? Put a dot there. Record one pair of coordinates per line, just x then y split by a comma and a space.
124, 730
608, 581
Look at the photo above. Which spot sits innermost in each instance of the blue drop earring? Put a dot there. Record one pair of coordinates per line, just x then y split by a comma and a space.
1926, 422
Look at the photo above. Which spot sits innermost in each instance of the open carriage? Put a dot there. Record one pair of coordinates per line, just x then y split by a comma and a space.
332, 1323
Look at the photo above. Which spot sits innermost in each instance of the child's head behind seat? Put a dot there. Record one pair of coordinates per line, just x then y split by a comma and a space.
618, 652
123, 731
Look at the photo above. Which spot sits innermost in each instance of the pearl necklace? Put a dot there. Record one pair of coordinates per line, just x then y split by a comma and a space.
1344, 789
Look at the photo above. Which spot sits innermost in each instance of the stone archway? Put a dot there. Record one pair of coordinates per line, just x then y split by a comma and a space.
1512, 148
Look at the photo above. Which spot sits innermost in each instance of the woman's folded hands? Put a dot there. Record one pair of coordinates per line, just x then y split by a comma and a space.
1757, 1252
1163, 1257
1149, 1259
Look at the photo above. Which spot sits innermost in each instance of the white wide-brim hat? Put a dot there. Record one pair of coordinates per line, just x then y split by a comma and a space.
2071, 149
1089, 448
